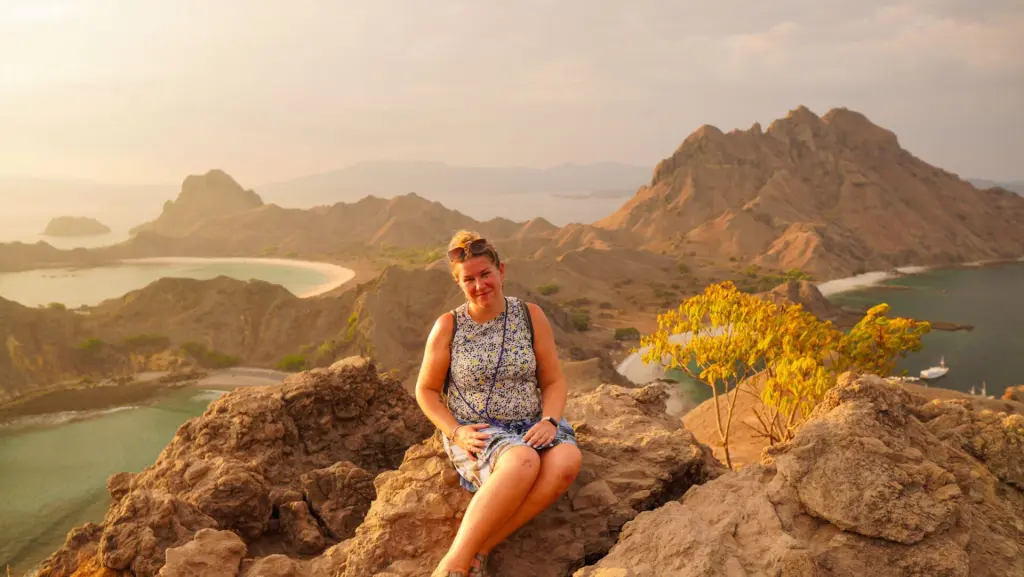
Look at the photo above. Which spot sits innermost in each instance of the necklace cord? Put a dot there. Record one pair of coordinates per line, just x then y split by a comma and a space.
494, 379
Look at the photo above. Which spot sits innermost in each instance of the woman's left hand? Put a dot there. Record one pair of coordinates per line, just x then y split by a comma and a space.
540, 435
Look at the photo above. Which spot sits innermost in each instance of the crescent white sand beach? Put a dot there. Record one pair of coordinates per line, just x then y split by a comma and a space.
336, 275
870, 279
866, 280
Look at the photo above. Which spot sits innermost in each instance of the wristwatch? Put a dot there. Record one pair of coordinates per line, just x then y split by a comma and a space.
551, 420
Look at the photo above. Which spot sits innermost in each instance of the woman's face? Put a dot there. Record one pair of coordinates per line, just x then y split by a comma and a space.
481, 280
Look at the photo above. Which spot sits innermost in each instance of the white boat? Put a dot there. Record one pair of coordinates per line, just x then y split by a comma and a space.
935, 372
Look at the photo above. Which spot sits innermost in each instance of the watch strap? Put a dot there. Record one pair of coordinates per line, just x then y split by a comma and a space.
551, 420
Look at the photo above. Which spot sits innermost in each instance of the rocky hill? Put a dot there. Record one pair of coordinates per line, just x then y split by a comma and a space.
261, 323
75, 226
829, 195
308, 478
40, 346
51, 348
879, 481
256, 323
202, 197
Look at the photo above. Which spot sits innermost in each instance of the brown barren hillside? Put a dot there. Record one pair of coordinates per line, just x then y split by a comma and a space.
829, 195
260, 323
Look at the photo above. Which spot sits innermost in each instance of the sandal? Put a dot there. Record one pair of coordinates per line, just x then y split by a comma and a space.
480, 571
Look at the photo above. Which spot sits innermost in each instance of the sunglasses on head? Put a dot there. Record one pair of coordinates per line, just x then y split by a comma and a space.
475, 248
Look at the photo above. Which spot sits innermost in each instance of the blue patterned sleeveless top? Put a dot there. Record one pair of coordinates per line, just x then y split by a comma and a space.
475, 351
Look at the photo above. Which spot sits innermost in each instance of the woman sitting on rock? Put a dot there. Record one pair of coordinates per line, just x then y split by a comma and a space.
491, 382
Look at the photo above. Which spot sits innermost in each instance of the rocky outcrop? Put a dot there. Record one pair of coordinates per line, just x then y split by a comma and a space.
248, 466
75, 226
1015, 393
878, 481
280, 481
806, 294
203, 197
819, 194
635, 457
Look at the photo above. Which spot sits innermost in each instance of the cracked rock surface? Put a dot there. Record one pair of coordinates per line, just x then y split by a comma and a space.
337, 472
287, 468
878, 482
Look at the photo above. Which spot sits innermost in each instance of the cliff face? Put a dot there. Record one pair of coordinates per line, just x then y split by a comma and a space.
829, 195
878, 482
40, 346
308, 479
202, 197
280, 481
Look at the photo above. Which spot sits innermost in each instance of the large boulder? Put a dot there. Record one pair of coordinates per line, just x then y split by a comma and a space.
878, 481
249, 464
635, 457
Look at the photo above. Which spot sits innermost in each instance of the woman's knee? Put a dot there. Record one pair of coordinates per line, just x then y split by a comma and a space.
564, 461
524, 460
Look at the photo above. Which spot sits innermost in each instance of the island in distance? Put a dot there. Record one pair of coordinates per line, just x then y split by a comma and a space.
75, 226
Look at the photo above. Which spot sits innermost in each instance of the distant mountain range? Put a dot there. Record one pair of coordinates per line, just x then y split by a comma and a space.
430, 179
562, 194
1013, 185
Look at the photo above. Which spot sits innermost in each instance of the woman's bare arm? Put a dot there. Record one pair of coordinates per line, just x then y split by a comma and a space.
433, 371
554, 389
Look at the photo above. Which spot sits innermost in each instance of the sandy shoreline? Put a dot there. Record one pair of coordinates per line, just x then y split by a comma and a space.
337, 275
66, 404
874, 278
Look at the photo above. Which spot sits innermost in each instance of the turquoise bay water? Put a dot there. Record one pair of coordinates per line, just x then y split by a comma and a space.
990, 298
53, 477
89, 286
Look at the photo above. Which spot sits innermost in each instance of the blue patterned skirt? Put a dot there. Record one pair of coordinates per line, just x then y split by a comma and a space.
503, 436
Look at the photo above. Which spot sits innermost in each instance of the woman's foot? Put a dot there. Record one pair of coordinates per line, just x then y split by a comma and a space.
478, 568
444, 569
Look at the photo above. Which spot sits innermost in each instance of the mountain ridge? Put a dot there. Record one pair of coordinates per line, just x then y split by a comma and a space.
830, 195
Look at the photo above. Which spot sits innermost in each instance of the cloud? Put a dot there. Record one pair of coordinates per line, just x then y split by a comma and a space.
24, 12
138, 83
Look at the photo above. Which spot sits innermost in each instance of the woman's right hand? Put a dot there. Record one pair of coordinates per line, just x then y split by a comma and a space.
470, 439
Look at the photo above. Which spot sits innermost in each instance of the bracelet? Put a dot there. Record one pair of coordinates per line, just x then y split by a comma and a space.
455, 430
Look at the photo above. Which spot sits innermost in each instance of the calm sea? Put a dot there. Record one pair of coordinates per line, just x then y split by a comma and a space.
53, 474
90, 286
990, 298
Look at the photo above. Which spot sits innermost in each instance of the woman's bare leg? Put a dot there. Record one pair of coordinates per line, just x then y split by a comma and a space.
559, 466
513, 475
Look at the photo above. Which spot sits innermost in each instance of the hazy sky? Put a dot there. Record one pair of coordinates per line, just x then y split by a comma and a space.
151, 90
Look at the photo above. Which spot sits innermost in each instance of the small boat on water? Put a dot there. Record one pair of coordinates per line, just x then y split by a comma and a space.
935, 372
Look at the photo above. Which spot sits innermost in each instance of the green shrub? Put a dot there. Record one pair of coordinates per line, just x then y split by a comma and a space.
292, 363
580, 319
208, 359
57, 307
548, 289
91, 345
627, 334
